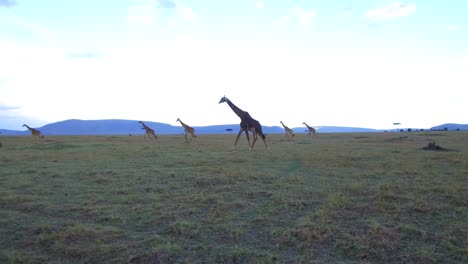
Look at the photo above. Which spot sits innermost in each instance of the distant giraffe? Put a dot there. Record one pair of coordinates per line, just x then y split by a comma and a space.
149, 131
188, 130
34, 132
287, 131
247, 124
310, 129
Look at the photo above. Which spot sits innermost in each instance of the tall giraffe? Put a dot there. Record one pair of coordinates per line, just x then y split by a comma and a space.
287, 131
34, 132
310, 129
188, 130
247, 124
149, 131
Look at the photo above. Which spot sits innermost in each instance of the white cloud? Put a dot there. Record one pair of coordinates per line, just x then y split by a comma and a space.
391, 11
260, 5
305, 17
144, 14
35, 28
187, 13
302, 16
146, 82
345, 13
283, 21
453, 27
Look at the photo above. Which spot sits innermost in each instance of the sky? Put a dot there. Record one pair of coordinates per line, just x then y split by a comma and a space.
366, 63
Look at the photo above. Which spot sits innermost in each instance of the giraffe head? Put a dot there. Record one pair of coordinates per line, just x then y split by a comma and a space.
178, 120
224, 99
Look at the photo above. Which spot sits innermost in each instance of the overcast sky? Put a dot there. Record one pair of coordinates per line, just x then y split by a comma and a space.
366, 63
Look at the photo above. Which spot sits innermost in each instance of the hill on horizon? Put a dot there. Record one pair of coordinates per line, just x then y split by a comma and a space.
450, 126
126, 127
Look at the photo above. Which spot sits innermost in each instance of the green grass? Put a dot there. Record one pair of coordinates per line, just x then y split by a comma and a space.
336, 198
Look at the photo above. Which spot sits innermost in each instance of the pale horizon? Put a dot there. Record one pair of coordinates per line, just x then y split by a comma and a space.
368, 64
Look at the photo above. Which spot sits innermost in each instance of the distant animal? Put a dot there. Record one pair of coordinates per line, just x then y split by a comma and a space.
310, 129
247, 124
188, 130
148, 131
34, 132
287, 131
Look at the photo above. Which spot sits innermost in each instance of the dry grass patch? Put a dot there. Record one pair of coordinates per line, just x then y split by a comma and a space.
370, 197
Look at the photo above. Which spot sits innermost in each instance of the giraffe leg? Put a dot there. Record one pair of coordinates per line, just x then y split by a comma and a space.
248, 139
186, 139
266, 145
238, 135
254, 140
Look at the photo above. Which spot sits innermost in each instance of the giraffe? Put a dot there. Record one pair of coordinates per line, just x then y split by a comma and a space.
149, 131
310, 129
247, 124
34, 132
288, 132
188, 130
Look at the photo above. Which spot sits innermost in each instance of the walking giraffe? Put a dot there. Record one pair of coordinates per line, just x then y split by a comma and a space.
34, 132
148, 131
310, 129
287, 131
247, 124
188, 130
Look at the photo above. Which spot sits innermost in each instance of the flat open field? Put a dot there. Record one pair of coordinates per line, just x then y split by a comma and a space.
333, 198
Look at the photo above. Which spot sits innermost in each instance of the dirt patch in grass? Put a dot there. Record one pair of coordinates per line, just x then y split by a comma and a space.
434, 147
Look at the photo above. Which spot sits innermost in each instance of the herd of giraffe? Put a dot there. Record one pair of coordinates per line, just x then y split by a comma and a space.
247, 124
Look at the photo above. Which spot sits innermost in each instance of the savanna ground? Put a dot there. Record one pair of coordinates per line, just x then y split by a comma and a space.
333, 198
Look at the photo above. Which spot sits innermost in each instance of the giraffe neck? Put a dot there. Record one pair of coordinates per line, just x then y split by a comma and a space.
29, 128
182, 123
236, 109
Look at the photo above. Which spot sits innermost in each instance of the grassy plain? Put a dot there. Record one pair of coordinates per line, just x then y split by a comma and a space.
333, 198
